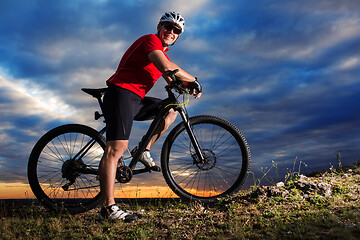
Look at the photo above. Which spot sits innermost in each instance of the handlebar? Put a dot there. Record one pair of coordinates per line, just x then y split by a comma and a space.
171, 74
176, 83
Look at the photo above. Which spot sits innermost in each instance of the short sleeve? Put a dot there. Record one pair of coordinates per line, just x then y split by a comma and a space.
152, 43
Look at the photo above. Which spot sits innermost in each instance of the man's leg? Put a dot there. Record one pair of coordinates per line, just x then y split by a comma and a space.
107, 169
145, 157
107, 173
164, 125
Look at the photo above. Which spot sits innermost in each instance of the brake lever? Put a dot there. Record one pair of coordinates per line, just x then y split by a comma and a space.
177, 84
171, 74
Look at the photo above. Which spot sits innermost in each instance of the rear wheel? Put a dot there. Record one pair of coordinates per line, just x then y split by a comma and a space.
62, 168
226, 164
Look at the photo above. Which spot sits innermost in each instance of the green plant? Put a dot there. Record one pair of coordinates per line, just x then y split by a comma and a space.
291, 174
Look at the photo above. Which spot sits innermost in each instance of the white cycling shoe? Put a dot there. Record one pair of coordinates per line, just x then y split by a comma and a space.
147, 160
114, 212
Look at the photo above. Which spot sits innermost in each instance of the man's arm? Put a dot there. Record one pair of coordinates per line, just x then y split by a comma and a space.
158, 58
163, 64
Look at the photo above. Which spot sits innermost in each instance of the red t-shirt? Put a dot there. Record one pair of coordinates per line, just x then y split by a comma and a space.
135, 71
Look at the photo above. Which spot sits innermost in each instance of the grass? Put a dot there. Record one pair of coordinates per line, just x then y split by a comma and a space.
244, 216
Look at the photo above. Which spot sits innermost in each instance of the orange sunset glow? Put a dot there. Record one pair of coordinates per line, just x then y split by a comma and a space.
15, 191
23, 191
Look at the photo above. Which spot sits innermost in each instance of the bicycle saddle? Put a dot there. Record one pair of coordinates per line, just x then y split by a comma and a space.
96, 93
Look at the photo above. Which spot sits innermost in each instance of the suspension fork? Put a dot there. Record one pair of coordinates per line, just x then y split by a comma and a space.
190, 132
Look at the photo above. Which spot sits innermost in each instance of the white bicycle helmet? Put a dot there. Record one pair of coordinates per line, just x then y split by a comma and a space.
175, 18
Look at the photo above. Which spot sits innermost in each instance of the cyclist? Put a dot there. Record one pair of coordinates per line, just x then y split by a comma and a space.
140, 67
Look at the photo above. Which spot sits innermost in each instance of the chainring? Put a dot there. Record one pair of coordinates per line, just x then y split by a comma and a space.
124, 174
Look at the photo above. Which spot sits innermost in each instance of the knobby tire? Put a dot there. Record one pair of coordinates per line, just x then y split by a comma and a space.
49, 168
226, 166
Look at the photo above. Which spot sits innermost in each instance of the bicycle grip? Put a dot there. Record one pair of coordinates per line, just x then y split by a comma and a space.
171, 74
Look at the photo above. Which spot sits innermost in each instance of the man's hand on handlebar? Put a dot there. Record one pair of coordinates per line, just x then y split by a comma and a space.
194, 88
197, 95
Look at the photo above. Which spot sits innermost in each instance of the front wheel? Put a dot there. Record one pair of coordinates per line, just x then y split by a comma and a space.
226, 160
62, 168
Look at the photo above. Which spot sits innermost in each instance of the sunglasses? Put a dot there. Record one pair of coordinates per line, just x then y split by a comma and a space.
170, 27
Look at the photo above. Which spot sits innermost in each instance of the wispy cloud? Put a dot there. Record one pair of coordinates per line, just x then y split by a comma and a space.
285, 72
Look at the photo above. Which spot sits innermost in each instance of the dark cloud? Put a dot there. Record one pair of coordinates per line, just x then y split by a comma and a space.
285, 72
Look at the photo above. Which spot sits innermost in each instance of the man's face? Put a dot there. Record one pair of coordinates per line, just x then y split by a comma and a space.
168, 33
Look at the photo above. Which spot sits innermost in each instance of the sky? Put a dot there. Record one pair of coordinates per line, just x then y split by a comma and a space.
286, 73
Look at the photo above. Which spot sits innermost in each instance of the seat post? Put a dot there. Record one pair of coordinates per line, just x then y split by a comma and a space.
100, 104
96, 93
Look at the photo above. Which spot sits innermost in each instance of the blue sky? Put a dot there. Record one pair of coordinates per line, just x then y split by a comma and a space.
285, 72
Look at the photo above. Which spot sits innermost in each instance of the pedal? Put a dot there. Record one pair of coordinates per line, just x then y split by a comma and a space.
155, 168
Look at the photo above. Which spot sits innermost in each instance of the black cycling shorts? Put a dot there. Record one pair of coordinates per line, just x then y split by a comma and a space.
121, 107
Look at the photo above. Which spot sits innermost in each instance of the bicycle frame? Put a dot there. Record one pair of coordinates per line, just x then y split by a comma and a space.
204, 158
166, 104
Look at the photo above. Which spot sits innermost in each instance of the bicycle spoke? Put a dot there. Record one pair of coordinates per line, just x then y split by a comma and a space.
54, 169
221, 167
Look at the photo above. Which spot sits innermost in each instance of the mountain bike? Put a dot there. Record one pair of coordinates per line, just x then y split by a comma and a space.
204, 158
